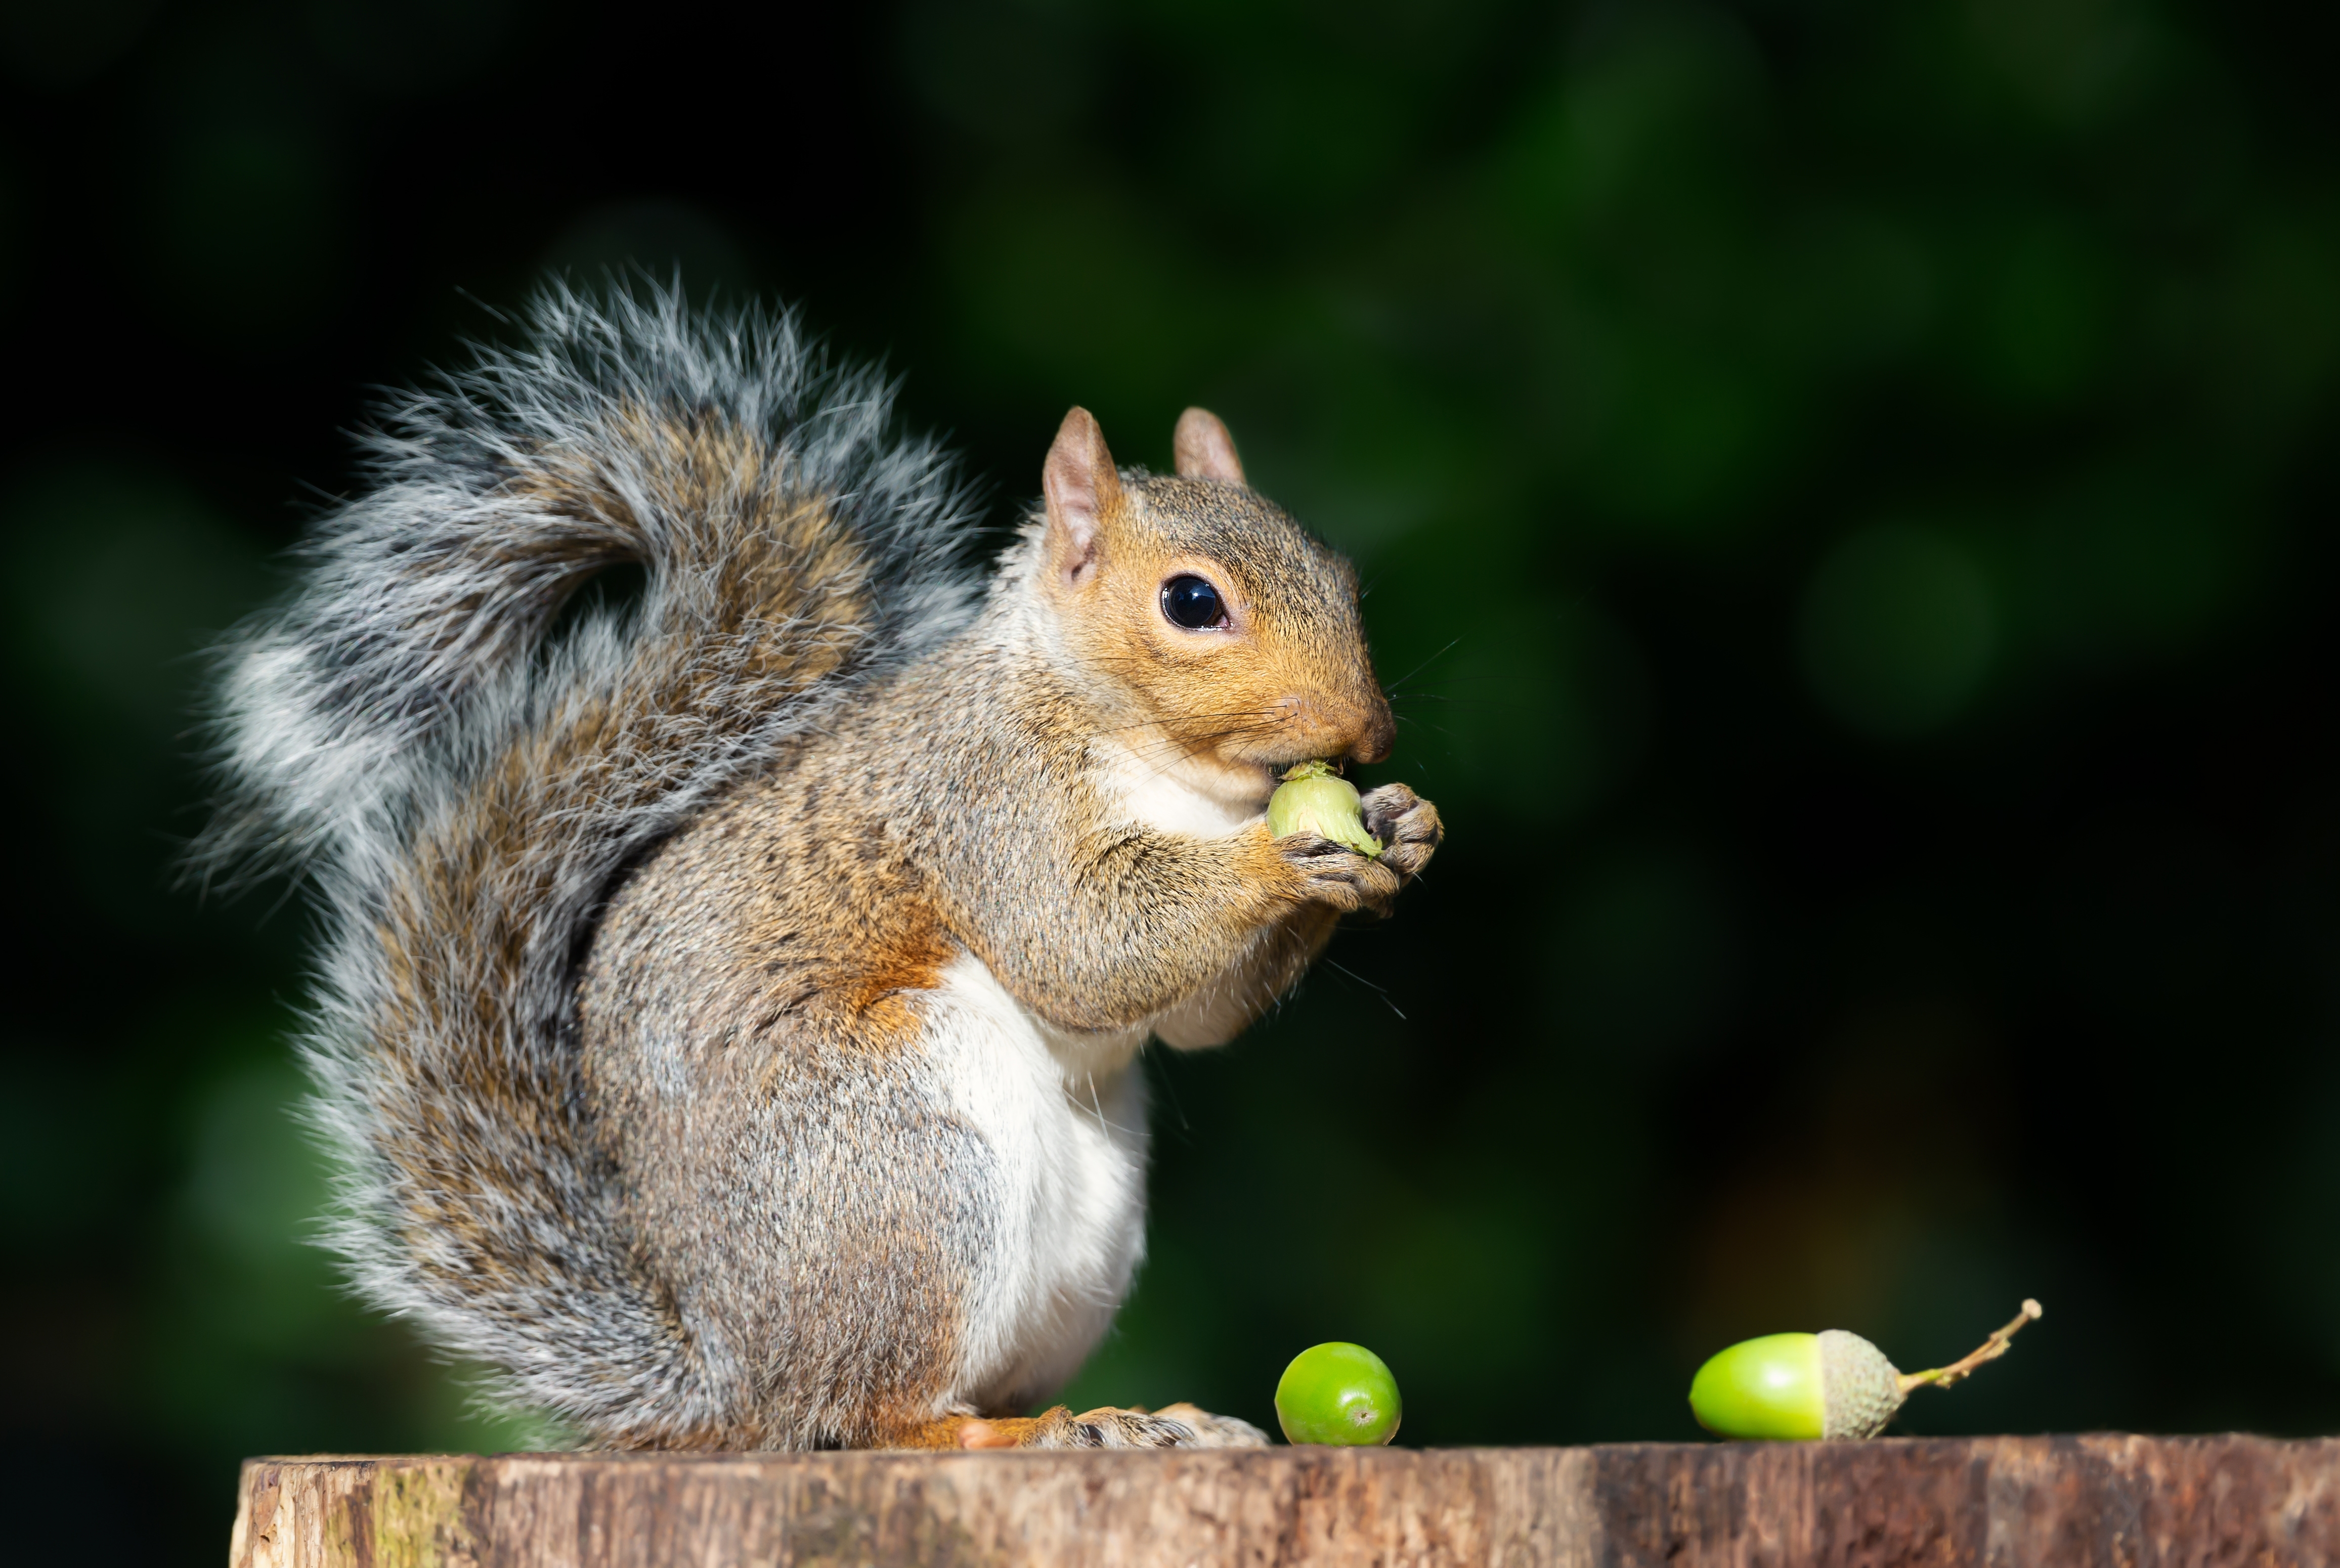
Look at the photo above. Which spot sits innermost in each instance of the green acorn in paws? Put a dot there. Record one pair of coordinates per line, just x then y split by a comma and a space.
1312, 798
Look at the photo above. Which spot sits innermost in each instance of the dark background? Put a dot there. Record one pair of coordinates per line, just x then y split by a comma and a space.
1847, 490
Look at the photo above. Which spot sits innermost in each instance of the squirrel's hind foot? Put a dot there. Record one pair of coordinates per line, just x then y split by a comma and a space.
1213, 1431
1172, 1426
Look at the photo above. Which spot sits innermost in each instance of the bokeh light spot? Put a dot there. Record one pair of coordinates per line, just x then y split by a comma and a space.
2042, 308
1899, 629
1643, 956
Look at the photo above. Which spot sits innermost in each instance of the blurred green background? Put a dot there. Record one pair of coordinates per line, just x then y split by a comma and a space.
1847, 493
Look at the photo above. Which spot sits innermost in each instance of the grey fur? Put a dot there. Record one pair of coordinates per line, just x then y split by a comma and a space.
359, 717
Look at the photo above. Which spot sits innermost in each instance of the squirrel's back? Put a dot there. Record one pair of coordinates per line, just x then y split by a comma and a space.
462, 786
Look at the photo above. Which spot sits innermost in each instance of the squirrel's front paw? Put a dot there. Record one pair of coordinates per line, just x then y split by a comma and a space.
1408, 827
1332, 873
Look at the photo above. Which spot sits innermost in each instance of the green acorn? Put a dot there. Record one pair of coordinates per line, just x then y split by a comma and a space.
1312, 798
1338, 1393
1831, 1384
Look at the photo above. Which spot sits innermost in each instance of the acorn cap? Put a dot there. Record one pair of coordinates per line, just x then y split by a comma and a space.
1860, 1389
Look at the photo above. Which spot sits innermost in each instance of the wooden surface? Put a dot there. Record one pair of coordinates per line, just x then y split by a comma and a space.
2133, 1502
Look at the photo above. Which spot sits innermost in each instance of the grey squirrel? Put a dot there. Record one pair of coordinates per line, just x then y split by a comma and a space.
728, 1006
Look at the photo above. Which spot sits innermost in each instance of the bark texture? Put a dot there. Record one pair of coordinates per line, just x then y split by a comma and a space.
2005, 1501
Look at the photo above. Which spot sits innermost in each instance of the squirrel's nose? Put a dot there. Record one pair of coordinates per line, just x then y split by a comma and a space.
1376, 733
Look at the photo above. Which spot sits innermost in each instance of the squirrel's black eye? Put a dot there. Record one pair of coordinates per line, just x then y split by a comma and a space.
1192, 603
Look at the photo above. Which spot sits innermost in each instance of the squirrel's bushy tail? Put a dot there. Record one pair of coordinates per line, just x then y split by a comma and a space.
462, 789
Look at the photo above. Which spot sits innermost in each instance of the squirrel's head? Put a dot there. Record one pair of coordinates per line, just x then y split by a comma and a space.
1221, 624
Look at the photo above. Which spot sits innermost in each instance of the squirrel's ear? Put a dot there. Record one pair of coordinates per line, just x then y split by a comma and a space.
1204, 447
1081, 486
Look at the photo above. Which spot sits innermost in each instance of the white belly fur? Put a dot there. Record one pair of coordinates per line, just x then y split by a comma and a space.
1065, 1119
1167, 795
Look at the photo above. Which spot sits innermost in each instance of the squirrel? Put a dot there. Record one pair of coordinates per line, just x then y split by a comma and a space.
729, 1001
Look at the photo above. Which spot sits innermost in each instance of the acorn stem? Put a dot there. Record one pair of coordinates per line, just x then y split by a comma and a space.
1990, 1349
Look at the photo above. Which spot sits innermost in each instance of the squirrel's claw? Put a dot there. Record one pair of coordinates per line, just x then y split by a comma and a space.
1213, 1431
1408, 827
1334, 874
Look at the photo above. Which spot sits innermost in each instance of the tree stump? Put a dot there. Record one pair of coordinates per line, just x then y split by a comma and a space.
2003, 1502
